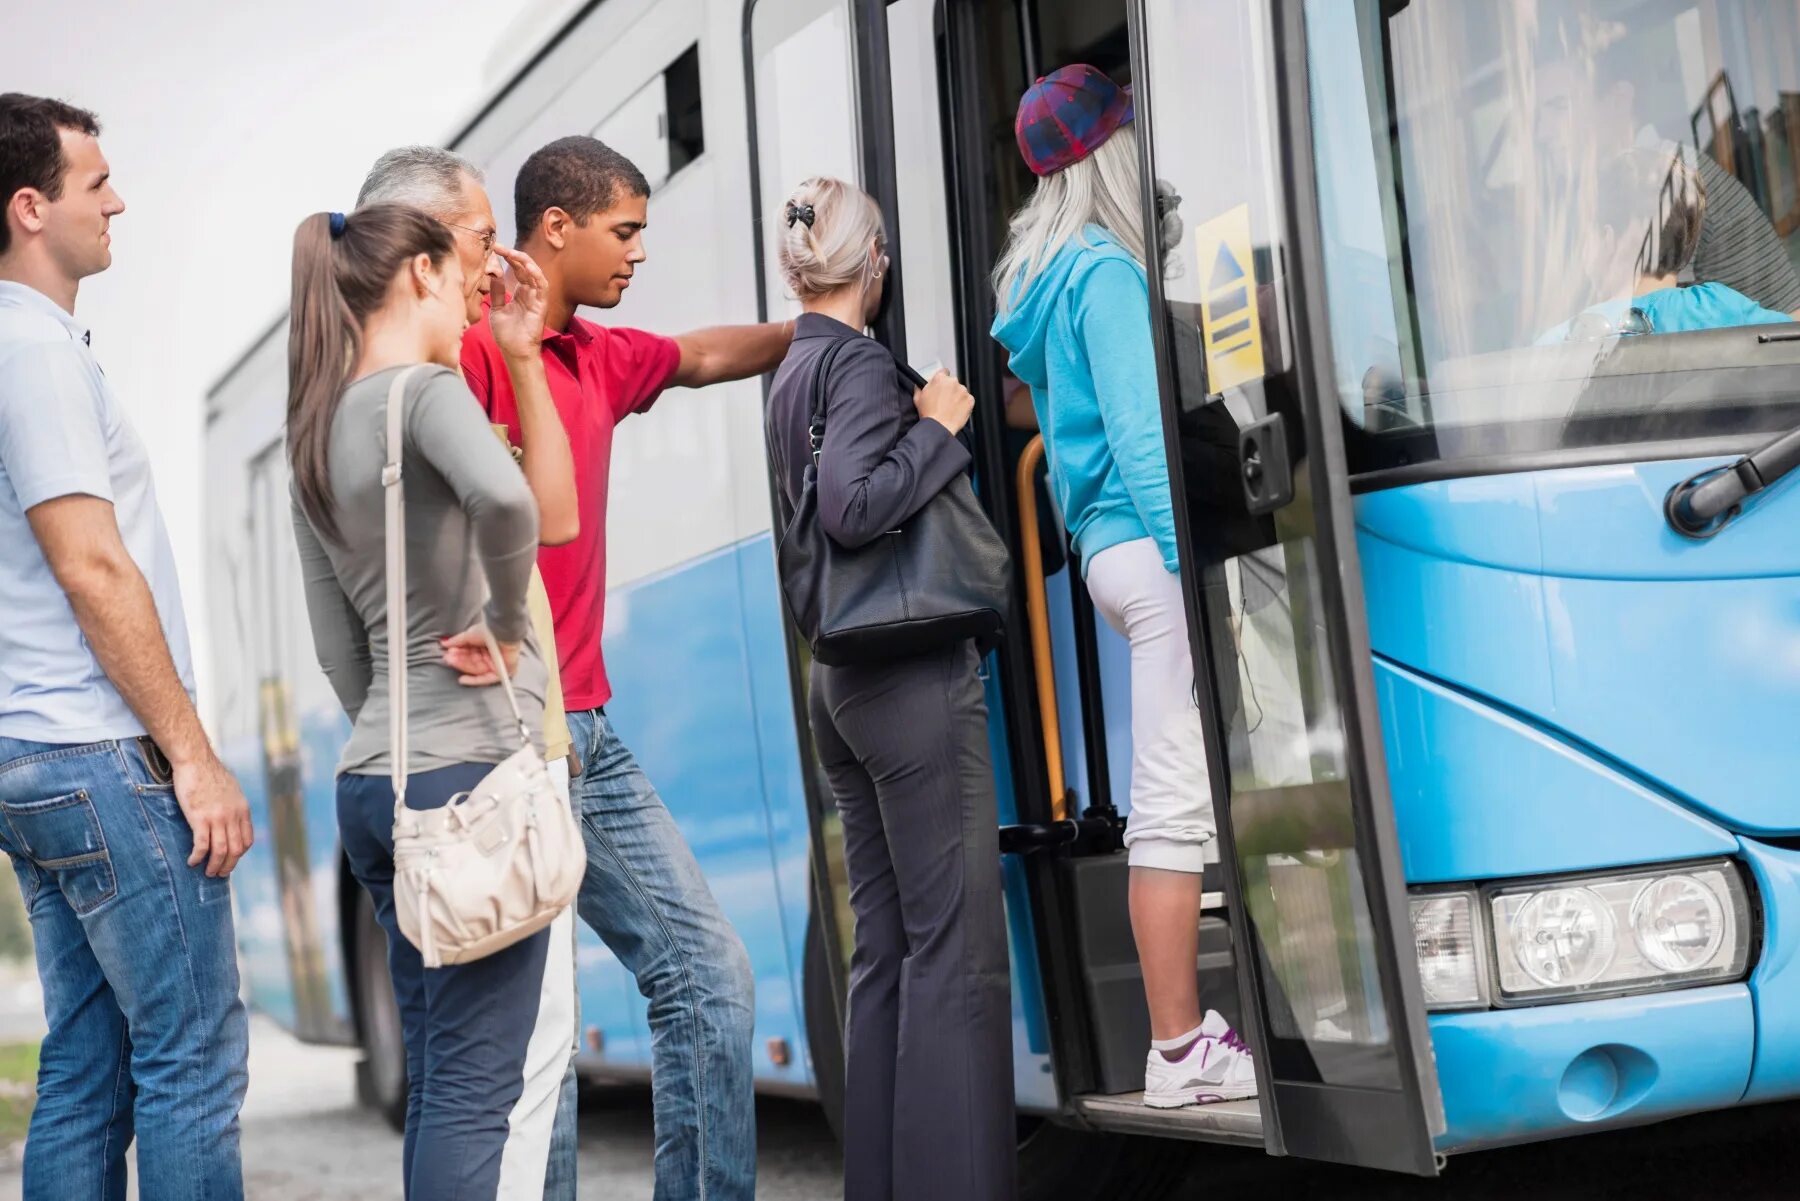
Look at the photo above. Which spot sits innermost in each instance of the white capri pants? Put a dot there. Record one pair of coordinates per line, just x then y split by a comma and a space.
1171, 795
527, 1155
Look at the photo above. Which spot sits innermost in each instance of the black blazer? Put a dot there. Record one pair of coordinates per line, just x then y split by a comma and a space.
880, 463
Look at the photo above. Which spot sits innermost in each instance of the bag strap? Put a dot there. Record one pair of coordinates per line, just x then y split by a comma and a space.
815, 427
395, 489
395, 535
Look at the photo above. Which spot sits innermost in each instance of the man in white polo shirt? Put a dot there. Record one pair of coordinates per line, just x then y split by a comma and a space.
121, 822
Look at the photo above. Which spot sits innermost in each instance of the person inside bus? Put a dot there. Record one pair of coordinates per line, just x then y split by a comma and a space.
928, 1107
1074, 316
581, 209
386, 283
451, 190
1653, 210
1593, 103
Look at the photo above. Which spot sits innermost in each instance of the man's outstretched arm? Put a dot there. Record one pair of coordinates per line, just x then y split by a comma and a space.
728, 352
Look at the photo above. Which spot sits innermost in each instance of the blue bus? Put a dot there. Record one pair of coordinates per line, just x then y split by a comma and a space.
1493, 590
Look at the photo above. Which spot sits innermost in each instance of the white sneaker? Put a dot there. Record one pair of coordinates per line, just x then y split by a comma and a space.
1218, 1067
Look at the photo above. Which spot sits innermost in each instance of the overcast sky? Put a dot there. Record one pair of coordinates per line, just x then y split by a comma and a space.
225, 124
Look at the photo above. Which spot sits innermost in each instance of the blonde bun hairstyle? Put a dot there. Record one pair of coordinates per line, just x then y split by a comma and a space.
826, 228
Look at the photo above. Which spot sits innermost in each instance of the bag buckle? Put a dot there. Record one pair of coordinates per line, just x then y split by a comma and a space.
390, 475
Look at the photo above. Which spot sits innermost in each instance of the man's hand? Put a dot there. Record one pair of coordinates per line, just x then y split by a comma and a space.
518, 324
216, 812
467, 653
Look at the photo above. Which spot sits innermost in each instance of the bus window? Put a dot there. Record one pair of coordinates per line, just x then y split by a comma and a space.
806, 121
1544, 187
923, 219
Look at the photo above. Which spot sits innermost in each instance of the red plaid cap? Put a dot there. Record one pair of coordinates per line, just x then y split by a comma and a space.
1067, 115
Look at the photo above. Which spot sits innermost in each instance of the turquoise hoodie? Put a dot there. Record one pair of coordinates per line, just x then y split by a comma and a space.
1079, 334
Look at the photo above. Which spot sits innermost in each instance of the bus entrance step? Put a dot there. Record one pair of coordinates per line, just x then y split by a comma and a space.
1238, 1122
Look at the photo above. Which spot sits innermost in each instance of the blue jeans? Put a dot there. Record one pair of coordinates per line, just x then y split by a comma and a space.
645, 896
136, 957
466, 1026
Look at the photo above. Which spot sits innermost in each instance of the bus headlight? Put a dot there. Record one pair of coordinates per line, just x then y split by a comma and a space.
1449, 944
1617, 933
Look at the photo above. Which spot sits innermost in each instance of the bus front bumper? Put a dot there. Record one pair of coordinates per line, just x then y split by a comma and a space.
1515, 1075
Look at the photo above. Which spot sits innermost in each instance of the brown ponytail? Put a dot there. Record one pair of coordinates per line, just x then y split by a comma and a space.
339, 280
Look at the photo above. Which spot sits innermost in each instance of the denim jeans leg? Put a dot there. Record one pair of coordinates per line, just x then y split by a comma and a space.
646, 897
82, 1123
366, 829
112, 841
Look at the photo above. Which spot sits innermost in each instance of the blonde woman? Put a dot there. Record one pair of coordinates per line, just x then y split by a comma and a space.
1074, 315
928, 1109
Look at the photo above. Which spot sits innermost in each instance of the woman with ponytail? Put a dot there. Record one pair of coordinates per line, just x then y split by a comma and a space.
378, 293
928, 1106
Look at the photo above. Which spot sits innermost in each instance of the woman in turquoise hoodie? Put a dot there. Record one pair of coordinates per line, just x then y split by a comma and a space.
1074, 315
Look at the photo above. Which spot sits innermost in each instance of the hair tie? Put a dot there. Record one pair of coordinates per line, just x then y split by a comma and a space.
337, 225
800, 212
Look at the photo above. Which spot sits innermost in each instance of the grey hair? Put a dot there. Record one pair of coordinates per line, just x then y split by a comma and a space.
1101, 189
425, 177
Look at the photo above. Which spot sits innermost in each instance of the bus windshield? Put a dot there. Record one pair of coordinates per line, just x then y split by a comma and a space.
1557, 226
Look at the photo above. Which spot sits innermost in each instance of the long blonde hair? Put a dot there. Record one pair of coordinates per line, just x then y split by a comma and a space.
826, 245
1101, 189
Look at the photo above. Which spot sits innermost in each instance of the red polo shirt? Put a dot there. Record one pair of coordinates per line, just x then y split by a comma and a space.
598, 377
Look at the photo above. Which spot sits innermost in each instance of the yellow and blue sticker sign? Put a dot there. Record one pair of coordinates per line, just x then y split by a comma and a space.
1230, 327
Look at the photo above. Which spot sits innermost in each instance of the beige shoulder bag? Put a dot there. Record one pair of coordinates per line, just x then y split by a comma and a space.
499, 862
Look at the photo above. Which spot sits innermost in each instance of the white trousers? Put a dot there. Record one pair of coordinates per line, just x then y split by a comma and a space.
527, 1154
1171, 796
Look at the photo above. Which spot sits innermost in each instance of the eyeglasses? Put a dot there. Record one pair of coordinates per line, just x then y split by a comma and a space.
487, 236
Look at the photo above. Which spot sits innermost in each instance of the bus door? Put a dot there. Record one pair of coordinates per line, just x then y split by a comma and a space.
276, 588
1329, 986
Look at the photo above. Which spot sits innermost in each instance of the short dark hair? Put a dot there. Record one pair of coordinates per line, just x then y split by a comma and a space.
579, 175
31, 147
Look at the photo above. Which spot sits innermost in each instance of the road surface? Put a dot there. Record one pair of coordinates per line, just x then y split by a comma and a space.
304, 1139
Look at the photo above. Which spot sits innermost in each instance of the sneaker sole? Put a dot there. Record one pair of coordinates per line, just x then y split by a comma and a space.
1183, 1100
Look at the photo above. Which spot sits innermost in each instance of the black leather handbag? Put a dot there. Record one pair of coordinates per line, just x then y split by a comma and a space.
941, 578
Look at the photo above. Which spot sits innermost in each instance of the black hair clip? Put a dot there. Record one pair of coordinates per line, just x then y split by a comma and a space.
337, 225
800, 212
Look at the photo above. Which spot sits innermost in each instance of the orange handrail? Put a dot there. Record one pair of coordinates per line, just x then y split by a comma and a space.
1037, 609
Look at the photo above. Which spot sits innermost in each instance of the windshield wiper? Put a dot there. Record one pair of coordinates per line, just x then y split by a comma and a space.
1702, 505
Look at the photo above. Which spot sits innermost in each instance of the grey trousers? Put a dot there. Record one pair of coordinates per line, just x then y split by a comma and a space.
928, 1109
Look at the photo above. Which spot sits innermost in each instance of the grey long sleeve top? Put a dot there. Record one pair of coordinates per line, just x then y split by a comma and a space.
471, 539
880, 463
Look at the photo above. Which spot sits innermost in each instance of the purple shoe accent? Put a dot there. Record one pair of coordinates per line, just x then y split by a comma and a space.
1232, 1039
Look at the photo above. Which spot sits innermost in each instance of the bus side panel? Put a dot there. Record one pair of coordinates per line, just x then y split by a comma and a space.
256, 903
1479, 794
273, 715
783, 786
678, 659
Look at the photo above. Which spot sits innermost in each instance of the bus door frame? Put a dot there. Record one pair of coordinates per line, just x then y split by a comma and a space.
1053, 921
1394, 1130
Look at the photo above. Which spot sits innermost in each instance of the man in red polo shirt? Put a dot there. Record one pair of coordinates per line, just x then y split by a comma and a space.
581, 215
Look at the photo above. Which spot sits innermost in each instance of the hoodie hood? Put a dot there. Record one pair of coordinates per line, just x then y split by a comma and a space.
1023, 327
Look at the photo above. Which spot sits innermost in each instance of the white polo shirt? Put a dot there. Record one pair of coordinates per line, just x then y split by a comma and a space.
63, 432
